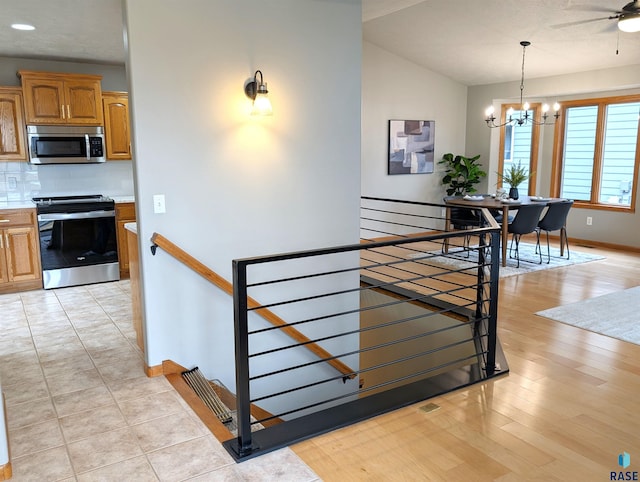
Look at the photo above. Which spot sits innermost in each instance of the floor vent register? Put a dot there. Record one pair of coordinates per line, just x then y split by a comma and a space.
200, 385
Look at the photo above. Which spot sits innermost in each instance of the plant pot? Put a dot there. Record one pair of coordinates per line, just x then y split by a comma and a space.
513, 193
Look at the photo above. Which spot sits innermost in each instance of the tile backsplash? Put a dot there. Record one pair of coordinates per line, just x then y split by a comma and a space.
20, 181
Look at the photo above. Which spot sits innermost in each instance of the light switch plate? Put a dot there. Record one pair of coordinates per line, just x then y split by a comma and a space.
158, 204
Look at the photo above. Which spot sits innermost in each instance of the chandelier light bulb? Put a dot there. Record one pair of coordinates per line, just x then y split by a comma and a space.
489, 112
556, 107
525, 106
545, 108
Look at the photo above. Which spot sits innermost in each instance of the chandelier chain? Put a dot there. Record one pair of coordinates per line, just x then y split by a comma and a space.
524, 48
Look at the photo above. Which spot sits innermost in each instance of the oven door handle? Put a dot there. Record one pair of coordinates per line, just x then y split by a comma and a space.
82, 215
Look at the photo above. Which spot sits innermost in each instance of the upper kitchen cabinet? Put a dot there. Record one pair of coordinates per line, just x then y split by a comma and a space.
116, 125
72, 99
12, 143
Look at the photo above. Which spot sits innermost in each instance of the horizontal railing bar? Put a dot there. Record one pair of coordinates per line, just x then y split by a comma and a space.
354, 352
445, 271
336, 293
399, 213
451, 292
398, 261
378, 231
373, 368
357, 247
345, 270
351, 394
430, 254
384, 345
383, 325
339, 271
436, 276
401, 201
393, 223
361, 330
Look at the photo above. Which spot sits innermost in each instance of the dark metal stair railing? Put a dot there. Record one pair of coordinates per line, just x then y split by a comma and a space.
409, 286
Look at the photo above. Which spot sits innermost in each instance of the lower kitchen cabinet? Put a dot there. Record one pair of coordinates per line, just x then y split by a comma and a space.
125, 213
19, 251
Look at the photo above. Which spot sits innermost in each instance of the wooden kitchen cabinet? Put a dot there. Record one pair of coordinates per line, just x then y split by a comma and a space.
19, 251
71, 99
117, 129
125, 213
12, 127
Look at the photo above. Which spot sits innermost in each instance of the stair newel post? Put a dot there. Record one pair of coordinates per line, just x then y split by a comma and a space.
492, 331
240, 317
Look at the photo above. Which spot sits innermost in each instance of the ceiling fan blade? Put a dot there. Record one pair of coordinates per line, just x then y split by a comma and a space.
592, 8
631, 7
579, 22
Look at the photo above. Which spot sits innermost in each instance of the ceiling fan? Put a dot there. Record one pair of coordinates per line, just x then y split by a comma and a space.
628, 17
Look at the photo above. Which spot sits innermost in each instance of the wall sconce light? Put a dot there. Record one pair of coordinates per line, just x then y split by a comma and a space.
257, 91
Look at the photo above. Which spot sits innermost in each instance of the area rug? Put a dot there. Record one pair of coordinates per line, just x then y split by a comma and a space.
528, 259
615, 315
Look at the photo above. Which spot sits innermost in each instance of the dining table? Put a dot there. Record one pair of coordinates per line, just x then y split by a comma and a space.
505, 205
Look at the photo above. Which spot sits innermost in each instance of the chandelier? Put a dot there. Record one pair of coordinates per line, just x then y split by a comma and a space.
523, 116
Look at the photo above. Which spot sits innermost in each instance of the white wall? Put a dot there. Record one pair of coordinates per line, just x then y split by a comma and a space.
394, 88
238, 186
608, 227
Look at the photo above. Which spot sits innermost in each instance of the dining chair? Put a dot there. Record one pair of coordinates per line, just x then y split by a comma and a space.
553, 220
525, 222
462, 218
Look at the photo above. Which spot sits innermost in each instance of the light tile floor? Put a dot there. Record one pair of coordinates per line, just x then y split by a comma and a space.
79, 406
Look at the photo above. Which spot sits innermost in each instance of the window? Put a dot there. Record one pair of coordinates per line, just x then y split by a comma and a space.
597, 156
519, 144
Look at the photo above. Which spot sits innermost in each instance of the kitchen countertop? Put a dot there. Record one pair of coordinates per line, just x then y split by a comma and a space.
133, 227
17, 205
28, 204
123, 199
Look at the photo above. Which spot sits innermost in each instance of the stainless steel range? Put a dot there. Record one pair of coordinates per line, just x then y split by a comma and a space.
77, 240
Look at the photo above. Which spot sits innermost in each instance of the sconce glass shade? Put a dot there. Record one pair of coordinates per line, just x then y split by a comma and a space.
261, 105
257, 90
629, 22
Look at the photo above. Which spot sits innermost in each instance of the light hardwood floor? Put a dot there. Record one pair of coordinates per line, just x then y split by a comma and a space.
565, 411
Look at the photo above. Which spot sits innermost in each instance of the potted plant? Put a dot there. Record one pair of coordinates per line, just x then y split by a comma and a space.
461, 174
514, 176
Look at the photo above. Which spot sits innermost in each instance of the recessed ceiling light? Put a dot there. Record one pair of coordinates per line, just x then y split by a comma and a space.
22, 26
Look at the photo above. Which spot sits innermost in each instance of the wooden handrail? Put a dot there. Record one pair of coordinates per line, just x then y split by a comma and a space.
214, 278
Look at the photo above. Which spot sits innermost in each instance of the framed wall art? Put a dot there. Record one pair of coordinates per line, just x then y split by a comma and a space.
411, 146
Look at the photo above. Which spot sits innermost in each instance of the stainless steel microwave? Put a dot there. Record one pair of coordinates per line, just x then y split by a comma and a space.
65, 144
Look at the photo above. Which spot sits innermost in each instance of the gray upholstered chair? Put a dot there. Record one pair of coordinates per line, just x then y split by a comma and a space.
525, 222
553, 220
